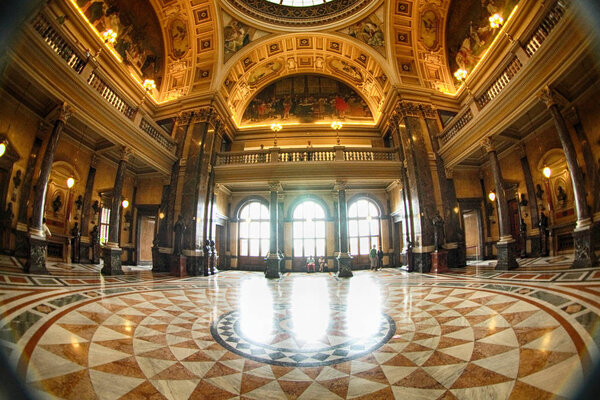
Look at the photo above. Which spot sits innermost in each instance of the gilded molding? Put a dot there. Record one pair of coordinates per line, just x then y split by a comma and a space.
275, 186
429, 111
407, 109
340, 185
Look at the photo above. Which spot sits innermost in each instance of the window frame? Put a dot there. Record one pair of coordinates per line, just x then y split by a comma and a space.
368, 219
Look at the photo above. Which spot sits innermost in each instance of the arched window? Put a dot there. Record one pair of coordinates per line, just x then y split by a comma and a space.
309, 230
363, 226
254, 230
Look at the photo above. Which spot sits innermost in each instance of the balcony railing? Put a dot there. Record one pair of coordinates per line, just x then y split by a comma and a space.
75, 59
58, 44
307, 155
516, 63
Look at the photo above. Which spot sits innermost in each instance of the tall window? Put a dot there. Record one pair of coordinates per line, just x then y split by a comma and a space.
104, 223
309, 230
363, 226
254, 230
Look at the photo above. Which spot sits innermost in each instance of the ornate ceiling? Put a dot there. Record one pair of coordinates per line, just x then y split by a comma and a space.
229, 49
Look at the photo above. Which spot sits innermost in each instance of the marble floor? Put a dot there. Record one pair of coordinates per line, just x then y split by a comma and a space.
471, 334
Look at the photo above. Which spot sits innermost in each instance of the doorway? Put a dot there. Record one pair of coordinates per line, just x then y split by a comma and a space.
146, 234
473, 225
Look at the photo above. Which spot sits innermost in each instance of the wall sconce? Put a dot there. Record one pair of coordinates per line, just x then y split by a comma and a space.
461, 76
125, 203
336, 126
2, 148
161, 215
496, 21
148, 86
276, 128
547, 172
109, 36
70, 182
492, 196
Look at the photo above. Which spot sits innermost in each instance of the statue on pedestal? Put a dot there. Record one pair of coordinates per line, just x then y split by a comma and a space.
75, 242
179, 229
438, 231
95, 238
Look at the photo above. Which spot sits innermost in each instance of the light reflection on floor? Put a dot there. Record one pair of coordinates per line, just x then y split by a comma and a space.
379, 334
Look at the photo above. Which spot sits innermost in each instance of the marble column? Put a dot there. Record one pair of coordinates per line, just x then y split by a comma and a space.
407, 222
280, 229
37, 238
195, 188
84, 246
272, 260
163, 250
160, 261
507, 255
344, 259
455, 237
420, 183
111, 251
582, 235
592, 174
534, 232
22, 246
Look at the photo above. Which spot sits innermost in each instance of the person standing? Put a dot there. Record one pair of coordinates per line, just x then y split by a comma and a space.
380, 258
373, 258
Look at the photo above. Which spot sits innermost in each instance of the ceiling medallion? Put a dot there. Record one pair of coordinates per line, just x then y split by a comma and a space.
296, 14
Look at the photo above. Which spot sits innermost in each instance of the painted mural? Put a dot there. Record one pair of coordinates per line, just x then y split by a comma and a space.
139, 41
468, 30
180, 41
236, 35
370, 31
306, 99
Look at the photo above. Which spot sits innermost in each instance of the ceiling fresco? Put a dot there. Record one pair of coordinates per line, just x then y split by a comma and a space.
468, 30
306, 99
370, 30
139, 40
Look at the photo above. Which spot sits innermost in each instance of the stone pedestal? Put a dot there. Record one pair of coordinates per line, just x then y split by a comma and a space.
84, 250
195, 262
96, 253
36, 263
421, 261
536, 245
344, 266
161, 258
507, 255
112, 260
439, 262
584, 256
178, 266
455, 255
272, 269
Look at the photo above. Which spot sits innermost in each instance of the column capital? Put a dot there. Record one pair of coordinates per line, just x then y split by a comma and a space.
548, 96
488, 145
275, 186
520, 149
94, 161
429, 111
64, 112
126, 153
340, 185
449, 172
183, 118
407, 109
572, 115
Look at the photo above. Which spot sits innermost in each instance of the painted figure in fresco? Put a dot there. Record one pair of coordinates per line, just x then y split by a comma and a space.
236, 36
561, 196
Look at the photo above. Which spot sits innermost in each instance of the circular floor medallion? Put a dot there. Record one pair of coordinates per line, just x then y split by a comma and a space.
282, 347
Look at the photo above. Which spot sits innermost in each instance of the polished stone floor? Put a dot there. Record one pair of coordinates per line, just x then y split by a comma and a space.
472, 334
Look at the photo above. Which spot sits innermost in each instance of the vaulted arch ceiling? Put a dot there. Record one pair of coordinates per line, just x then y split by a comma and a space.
212, 46
323, 54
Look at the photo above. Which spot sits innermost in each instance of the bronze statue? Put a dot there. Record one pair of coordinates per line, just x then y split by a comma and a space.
179, 229
438, 231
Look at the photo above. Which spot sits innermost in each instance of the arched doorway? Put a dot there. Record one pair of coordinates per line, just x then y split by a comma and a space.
253, 234
364, 229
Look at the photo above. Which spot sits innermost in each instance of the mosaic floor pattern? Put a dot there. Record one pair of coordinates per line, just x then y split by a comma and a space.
377, 335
